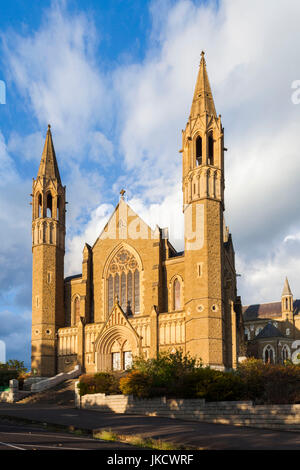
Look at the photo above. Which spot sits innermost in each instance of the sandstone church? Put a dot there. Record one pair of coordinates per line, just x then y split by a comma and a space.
136, 294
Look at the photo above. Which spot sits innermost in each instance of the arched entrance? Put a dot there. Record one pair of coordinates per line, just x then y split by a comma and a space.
115, 349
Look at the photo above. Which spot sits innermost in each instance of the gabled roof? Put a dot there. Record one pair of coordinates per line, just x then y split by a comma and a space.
117, 317
269, 331
268, 310
123, 206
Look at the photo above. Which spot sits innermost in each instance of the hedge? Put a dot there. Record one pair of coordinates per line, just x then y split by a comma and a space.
102, 382
179, 376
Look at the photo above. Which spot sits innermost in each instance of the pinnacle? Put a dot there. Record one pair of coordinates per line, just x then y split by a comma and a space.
48, 166
203, 99
286, 288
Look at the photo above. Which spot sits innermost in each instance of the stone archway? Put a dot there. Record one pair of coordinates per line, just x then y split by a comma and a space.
116, 346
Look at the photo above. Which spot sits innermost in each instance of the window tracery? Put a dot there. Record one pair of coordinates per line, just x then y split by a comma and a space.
123, 281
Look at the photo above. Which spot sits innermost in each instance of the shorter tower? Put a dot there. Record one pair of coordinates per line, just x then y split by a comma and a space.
48, 248
287, 304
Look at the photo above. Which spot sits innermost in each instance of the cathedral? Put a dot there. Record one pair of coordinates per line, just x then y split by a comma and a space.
136, 294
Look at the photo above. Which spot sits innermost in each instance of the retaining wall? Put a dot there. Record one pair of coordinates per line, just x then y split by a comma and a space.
286, 417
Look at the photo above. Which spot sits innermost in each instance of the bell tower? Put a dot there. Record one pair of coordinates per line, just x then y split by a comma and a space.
48, 248
287, 305
203, 206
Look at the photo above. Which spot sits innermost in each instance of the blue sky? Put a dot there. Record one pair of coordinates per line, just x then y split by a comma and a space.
115, 79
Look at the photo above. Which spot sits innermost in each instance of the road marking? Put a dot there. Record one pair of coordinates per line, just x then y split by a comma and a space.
63, 436
54, 447
11, 445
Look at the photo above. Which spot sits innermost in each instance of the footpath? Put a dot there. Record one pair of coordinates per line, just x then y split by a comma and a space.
188, 433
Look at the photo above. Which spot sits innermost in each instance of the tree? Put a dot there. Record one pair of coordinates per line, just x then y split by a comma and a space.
14, 364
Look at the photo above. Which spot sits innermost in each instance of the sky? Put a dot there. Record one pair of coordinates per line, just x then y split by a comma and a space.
115, 79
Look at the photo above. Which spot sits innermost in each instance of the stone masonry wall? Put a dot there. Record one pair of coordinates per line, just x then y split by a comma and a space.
286, 417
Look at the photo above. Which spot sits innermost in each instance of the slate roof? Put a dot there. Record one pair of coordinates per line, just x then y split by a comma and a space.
75, 276
268, 310
269, 331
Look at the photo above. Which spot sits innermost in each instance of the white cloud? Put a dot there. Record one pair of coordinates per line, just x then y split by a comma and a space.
55, 71
263, 277
252, 60
15, 254
7, 167
29, 147
251, 64
101, 148
87, 234
16, 339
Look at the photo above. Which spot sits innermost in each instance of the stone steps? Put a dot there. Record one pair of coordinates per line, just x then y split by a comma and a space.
62, 394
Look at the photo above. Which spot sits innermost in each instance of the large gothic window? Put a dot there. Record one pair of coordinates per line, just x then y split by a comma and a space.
123, 281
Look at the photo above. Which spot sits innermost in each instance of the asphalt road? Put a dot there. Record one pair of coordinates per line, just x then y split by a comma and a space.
199, 435
26, 437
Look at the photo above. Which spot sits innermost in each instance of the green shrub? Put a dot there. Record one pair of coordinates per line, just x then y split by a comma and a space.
179, 376
169, 374
270, 383
215, 385
101, 382
136, 383
252, 373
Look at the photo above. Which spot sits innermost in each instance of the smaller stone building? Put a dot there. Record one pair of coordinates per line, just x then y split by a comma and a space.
272, 330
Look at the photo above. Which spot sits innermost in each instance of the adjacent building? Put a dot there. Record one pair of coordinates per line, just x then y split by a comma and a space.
272, 330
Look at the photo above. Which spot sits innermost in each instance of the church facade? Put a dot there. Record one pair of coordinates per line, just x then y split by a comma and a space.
136, 294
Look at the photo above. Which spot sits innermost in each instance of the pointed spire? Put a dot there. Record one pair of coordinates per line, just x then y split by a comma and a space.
286, 288
48, 166
203, 99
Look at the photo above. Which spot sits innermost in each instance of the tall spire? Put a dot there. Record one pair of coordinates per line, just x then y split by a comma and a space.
48, 166
203, 99
286, 288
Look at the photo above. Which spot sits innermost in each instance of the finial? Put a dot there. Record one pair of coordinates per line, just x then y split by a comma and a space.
49, 127
122, 192
202, 61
